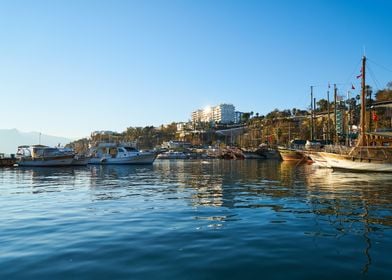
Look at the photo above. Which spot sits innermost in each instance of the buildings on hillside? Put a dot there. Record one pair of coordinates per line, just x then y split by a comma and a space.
222, 113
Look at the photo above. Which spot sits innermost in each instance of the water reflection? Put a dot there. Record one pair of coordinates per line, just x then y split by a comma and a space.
340, 203
351, 193
47, 179
253, 199
355, 203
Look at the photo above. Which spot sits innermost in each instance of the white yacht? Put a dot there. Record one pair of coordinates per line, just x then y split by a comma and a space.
112, 153
172, 155
40, 155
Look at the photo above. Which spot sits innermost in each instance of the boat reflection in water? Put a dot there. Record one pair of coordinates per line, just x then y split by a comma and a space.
264, 212
350, 201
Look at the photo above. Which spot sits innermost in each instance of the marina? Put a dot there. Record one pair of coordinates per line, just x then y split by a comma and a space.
196, 140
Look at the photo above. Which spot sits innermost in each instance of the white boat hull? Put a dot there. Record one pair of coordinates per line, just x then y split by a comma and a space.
141, 158
172, 156
340, 162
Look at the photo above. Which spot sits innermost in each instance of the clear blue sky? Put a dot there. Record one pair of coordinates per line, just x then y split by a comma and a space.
71, 67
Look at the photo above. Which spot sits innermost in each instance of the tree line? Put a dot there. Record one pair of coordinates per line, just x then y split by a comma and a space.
277, 126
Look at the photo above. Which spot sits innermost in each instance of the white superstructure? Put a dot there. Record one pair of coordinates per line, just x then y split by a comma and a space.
111, 153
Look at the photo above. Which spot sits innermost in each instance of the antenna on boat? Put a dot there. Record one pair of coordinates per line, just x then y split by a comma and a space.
39, 138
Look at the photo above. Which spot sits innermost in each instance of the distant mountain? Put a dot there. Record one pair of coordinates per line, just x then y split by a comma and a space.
10, 139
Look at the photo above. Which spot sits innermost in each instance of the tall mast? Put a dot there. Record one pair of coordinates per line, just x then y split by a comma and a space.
328, 120
335, 97
363, 104
311, 114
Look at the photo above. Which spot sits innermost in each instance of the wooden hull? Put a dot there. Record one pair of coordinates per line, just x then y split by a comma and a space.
292, 155
354, 163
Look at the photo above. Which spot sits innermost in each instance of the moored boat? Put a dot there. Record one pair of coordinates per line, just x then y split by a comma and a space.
373, 151
112, 153
294, 151
42, 156
172, 155
291, 154
361, 158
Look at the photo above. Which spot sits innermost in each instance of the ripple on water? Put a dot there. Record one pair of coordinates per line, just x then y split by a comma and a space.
193, 220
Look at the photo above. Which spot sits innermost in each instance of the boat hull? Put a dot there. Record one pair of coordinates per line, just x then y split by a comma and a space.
80, 161
172, 156
46, 162
336, 161
292, 155
147, 158
317, 159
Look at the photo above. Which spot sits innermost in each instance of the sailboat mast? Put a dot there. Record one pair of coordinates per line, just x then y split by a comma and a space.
311, 114
363, 103
335, 97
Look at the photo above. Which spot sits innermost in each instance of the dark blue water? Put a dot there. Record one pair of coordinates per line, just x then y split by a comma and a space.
195, 220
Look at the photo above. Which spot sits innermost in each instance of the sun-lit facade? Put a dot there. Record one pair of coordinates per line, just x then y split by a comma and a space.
222, 113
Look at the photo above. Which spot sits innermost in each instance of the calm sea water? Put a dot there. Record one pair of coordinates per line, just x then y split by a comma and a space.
195, 220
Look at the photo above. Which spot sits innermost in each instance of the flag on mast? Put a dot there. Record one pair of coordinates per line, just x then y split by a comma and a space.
360, 75
374, 116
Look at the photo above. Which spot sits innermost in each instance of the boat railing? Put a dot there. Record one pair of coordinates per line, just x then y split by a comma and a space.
362, 152
338, 149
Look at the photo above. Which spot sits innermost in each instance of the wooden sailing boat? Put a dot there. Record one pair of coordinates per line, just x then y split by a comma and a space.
368, 155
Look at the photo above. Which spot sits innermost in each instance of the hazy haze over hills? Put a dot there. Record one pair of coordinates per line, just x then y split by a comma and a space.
10, 139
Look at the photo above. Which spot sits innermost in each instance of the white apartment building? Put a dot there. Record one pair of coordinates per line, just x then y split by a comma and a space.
222, 113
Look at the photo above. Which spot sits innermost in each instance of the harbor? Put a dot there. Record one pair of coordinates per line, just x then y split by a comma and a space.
366, 150
196, 140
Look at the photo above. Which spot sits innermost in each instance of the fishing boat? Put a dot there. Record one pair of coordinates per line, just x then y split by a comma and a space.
113, 153
42, 156
373, 151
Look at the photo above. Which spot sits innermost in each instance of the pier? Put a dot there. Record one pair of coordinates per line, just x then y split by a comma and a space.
7, 161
